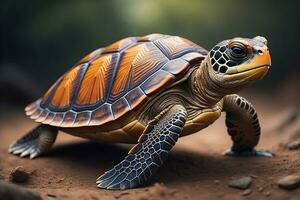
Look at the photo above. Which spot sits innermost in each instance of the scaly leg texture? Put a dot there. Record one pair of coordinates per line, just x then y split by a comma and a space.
243, 127
148, 155
35, 143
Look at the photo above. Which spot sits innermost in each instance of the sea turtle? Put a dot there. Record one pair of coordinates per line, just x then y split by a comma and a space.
151, 90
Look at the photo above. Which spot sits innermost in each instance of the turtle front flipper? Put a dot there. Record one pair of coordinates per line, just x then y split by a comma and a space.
148, 155
243, 127
36, 142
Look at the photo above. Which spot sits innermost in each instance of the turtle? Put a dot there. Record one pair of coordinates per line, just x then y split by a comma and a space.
149, 91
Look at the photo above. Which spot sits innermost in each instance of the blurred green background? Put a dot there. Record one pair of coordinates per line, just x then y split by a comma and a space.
40, 40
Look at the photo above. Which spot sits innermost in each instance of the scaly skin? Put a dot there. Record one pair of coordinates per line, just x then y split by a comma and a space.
243, 127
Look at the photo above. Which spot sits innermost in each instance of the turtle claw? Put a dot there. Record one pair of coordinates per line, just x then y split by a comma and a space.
119, 177
30, 148
252, 152
35, 143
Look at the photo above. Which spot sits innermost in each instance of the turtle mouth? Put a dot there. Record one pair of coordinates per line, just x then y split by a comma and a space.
254, 73
254, 68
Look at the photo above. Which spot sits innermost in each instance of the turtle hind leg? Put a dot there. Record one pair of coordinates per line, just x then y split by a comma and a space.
34, 143
243, 127
148, 155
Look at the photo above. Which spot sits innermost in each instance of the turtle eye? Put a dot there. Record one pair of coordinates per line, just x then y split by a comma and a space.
238, 51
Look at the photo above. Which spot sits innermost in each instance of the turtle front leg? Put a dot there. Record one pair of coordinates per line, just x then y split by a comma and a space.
243, 127
148, 155
35, 143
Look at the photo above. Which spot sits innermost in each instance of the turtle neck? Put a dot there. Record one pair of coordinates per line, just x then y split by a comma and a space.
206, 89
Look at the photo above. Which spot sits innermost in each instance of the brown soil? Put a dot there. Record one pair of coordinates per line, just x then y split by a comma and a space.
195, 169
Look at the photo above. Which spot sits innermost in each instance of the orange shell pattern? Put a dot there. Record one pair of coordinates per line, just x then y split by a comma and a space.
111, 81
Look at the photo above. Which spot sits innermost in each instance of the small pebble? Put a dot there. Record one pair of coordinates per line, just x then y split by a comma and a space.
117, 196
253, 176
60, 180
247, 192
18, 175
159, 189
293, 145
241, 183
51, 195
260, 189
289, 182
268, 194
124, 193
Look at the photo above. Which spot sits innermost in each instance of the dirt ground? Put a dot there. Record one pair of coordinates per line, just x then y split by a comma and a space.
195, 169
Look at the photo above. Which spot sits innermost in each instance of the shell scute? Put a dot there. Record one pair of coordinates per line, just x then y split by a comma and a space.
91, 56
42, 116
49, 118
93, 85
157, 81
82, 118
36, 113
176, 67
120, 107
135, 97
136, 63
120, 45
193, 57
69, 119
57, 119
63, 93
102, 114
173, 47
151, 37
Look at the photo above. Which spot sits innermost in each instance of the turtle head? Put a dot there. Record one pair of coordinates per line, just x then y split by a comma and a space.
239, 62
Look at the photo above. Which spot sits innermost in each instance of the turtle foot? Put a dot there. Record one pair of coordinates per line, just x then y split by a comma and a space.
36, 142
122, 176
252, 152
29, 148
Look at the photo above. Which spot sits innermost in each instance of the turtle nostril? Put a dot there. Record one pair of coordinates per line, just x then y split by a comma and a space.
260, 52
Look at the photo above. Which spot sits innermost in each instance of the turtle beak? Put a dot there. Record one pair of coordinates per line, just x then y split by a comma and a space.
253, 69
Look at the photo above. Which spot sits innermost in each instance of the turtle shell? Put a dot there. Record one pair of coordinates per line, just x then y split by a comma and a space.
111, 81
